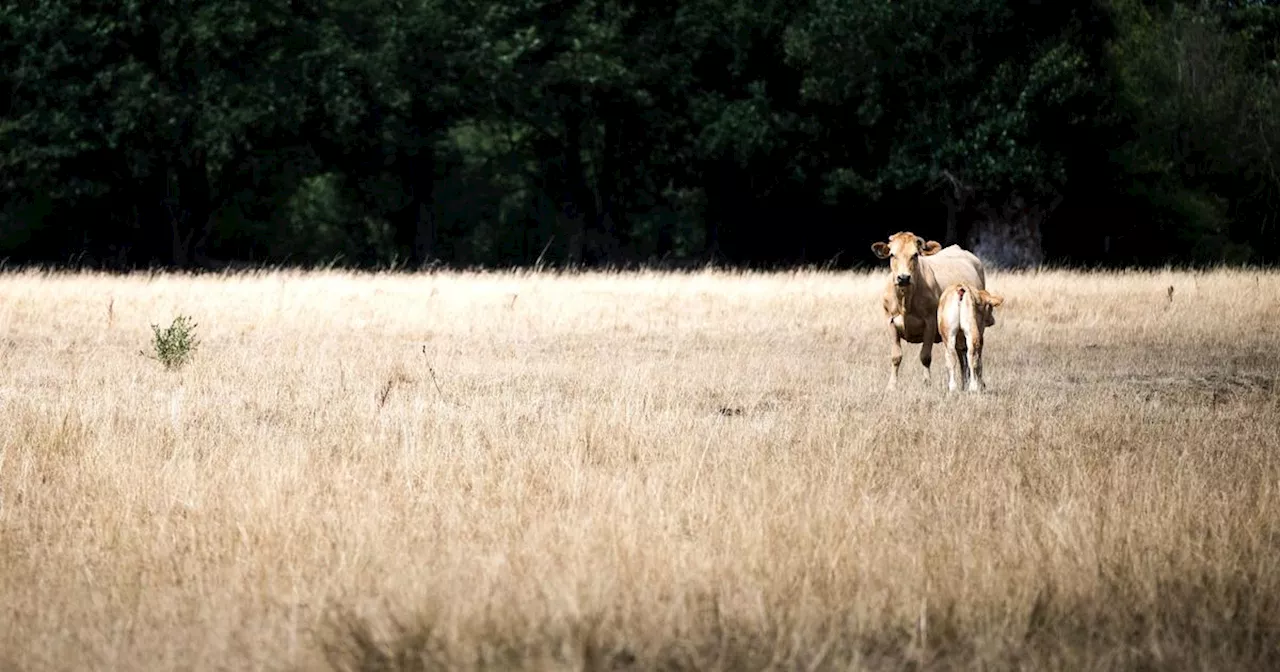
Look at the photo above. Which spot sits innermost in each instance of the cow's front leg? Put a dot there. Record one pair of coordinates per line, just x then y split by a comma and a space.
926, 345
895, 354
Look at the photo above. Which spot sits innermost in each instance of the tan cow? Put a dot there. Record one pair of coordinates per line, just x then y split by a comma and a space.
918, 273
964, 313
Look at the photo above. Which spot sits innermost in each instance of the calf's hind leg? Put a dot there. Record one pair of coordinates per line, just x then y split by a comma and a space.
954, 361
976, 383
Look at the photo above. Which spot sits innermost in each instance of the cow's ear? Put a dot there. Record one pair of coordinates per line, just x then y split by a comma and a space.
991, 299
931, 247
881, 249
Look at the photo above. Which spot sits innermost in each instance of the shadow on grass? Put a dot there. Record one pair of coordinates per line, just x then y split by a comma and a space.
1186, 624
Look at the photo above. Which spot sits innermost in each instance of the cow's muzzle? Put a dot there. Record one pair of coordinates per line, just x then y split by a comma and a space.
902, 280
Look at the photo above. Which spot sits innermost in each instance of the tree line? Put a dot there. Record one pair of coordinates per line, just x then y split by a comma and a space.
590, 133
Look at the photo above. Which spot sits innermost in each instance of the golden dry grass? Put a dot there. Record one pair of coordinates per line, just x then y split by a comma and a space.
635, 471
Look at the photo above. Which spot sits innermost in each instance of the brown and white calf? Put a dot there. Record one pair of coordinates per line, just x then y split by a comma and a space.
918, 272
964, 313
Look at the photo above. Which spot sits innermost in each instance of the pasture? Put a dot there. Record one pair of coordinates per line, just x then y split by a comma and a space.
635, 471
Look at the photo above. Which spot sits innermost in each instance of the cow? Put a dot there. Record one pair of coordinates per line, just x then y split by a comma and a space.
964, 313
919, 271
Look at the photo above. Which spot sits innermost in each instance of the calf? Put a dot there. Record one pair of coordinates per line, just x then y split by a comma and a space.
964, 312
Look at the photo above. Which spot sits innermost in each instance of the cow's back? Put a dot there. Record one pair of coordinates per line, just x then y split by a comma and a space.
954, 264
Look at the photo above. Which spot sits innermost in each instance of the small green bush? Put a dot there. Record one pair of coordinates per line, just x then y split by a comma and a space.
175, 344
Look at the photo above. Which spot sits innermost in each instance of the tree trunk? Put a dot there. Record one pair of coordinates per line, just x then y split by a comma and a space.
605, 229
952, 235
720, 193
577, 209
425, 243
957, 201
414, 224
569, 221
191, 211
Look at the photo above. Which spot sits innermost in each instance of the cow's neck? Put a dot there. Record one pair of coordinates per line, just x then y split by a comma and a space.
902, 297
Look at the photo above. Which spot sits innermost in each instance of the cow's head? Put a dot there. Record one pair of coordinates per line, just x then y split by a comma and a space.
903, 252
989, 299
987, 303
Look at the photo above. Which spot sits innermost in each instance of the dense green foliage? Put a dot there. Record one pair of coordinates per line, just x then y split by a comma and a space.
601, 132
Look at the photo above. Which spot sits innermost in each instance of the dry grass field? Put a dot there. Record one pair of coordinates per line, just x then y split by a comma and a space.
635, 471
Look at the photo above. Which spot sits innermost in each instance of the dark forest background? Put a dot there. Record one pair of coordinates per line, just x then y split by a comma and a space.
377, 133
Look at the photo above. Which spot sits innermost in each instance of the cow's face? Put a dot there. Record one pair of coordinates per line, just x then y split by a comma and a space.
903, 252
